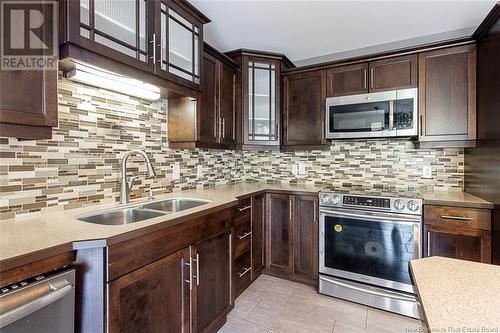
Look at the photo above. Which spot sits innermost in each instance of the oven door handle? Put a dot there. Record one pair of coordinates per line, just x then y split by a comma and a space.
399, 218
372, 292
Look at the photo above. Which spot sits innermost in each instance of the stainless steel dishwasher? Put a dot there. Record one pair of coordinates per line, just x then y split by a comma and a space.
42, 304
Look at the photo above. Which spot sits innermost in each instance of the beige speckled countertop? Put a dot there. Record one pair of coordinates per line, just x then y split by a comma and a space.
457, 198
458, 295
27, 239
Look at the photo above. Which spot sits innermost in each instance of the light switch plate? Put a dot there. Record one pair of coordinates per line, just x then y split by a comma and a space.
302, 168
427, 172
176, 171
295, 169
199, 171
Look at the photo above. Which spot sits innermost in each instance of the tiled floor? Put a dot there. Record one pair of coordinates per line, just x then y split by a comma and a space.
273, 305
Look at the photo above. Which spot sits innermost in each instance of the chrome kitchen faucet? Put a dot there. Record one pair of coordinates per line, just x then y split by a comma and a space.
126, 185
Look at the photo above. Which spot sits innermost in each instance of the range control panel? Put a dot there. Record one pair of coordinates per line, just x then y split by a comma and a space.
367, 201
380, 203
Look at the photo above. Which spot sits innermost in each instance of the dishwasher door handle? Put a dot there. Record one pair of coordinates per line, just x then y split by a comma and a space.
56, 291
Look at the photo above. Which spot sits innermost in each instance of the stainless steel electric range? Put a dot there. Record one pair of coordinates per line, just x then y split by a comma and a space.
366, 240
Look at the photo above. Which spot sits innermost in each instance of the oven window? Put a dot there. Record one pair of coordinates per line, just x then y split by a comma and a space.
377, 249
364, 117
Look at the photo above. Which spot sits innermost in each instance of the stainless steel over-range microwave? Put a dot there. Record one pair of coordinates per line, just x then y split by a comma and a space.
373, 115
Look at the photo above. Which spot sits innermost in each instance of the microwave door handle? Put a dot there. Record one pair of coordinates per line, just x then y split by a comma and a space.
391, 115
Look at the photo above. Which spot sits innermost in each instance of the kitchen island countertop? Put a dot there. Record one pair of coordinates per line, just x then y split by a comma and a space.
458, 295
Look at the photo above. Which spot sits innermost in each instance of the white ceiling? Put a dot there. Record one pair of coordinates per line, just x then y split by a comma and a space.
307, 29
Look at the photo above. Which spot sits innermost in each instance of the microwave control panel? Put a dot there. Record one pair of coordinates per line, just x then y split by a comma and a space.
404, 113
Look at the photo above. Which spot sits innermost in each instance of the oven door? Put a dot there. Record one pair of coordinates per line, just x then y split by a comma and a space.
359, 116
370, 247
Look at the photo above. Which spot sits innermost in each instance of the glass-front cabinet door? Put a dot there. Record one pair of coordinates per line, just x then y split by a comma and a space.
180, 43
262, 122
163, 37
116, 29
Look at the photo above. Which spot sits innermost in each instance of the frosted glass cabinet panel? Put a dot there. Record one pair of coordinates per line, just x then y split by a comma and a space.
120, 25
180, 43
262, 125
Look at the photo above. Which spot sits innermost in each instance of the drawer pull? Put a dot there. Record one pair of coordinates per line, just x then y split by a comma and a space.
246, 234
240, 275
245, 208
460, 218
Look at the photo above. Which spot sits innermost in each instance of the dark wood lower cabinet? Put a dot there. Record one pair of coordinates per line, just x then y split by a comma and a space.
212, 287
292, 237
258, 234
305, 242
466, 244
154, 298
279, 251
455, 232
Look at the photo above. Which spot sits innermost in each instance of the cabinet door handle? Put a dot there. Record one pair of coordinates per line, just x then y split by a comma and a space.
372, 74
365, 74
246, 234
323, 130
223, 128
190, 264
240, 275
154, 49
421, 126
459, 218
242, 209
428, 243
290, 209
197, 276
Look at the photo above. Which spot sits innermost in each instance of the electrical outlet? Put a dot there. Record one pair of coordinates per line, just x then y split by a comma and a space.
427, 172
295, 169
302, 168
199, 171
176, 171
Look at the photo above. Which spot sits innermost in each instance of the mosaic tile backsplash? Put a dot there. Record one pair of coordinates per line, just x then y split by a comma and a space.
80, 165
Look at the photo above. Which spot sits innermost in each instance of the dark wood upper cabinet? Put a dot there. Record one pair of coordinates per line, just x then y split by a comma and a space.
374, 76
258, 234
212, 282
347, 80
447, 97
258, 94
393, 73
304, 109
210, 121
305, 247
154, 298
178, 37
227, 103
162, 37
208, 118
28, 98
33, 117
279, 233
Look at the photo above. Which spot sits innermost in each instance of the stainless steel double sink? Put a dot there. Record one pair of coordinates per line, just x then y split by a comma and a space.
141, 212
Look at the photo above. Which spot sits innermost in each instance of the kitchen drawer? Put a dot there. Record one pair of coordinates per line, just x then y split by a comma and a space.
457, 217
242, 273
242, 225
244, 207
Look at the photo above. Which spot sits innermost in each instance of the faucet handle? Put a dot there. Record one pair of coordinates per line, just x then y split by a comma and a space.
131, 182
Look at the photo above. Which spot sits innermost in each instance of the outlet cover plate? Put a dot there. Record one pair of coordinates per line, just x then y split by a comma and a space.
426, 172
176, 171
